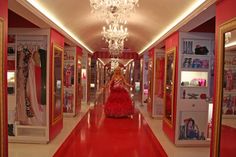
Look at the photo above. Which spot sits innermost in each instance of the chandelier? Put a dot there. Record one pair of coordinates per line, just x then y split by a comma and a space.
116, 48
115, 36
114, 32
113, 10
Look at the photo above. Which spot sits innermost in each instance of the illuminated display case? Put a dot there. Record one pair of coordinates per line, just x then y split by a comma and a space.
194, 114
72, 81
156, 83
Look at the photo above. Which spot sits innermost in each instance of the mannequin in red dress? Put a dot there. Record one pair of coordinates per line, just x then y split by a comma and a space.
119, 103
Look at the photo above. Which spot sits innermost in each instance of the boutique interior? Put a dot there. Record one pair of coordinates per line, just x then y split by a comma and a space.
177, 56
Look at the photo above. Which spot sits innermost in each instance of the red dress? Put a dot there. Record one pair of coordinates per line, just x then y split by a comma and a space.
119, 103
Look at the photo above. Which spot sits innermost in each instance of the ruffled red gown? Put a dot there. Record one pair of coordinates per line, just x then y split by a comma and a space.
119, 103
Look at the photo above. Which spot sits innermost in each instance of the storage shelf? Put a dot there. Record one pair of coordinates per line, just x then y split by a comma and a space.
193, 142
69, 61
196, 69
185, 55
193, 86
11, 57
229, 92
229, 116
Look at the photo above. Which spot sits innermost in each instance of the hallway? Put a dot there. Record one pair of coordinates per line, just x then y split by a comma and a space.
97, 136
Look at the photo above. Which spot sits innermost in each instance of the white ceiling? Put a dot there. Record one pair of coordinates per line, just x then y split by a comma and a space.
149, 20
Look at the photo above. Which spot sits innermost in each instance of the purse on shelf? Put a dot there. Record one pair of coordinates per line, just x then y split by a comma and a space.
201, 50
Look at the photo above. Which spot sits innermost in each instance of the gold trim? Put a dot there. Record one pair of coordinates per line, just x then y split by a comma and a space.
225, 27
2, 91
170, 122
59, 117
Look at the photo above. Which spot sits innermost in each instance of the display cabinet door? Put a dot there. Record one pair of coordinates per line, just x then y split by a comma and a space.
57, 84
2, 102
225, 105
169, 85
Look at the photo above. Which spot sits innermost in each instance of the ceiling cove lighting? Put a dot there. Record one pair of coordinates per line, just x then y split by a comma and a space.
52, 18
231, 44
173, 24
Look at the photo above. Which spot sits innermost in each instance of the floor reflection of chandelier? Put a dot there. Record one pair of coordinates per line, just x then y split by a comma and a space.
113, 10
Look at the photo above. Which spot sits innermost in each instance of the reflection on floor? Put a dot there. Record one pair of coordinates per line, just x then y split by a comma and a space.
98, 136
168, 146
228, 138
48, 150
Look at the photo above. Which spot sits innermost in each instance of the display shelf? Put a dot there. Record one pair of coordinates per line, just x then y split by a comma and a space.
195, 56
193, 86
206, 142
196, 69
13, 57
71, 89
36, 128
229, 116
194, 72
69, 61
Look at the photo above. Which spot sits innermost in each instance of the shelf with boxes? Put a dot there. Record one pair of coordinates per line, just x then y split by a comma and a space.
195, 55
188, 87
72, 82
229, 87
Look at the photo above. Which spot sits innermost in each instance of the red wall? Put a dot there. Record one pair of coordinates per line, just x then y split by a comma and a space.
4, 16
15, 20
58, 39
225, 10
170, 43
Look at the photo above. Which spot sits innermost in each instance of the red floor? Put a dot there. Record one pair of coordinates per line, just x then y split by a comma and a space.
228, 138
97, 136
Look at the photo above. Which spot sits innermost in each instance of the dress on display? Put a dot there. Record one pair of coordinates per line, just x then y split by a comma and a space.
29, 109
119, 103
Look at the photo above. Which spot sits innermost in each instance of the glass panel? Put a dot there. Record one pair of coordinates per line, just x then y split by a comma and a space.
228, 122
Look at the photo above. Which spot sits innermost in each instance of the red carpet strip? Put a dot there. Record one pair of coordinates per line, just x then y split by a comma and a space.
98, 136
228, 139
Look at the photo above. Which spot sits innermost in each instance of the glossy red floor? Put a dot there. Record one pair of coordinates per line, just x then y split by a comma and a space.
98, 136
228, 138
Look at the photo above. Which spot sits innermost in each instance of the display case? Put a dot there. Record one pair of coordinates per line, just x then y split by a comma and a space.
156, 82
196, 51
144, 73
72, 81
191, 114
30, 109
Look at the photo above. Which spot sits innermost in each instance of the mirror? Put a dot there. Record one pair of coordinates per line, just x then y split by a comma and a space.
57, 84
169, 85
2, 105
225, 120
79, 91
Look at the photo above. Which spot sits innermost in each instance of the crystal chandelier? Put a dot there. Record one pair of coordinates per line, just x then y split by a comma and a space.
115, 36
116, 48
114, 32
113, 10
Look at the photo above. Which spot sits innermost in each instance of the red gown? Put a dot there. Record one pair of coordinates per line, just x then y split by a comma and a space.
119, 103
